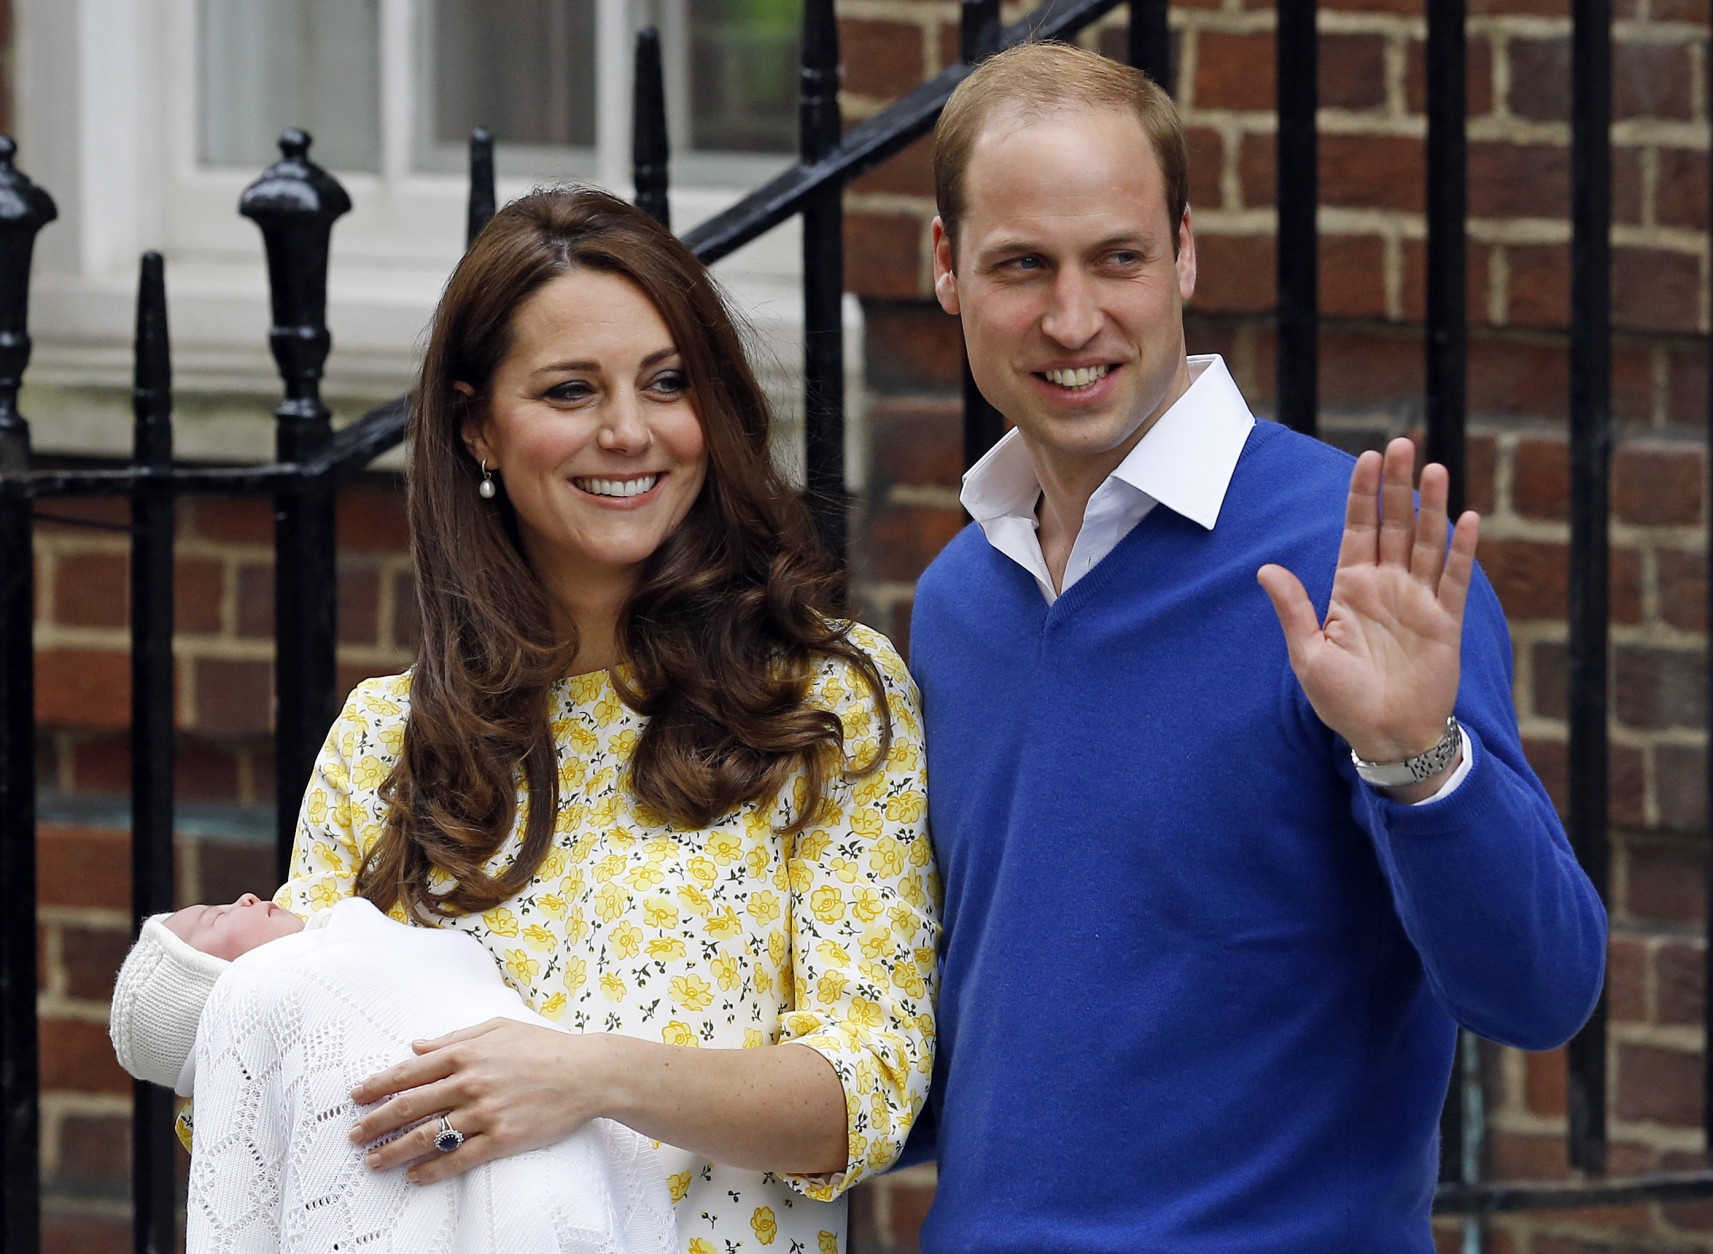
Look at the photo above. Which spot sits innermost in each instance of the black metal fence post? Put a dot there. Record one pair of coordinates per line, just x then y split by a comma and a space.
1707, 791
978, 39
295, 203
24, 210
1150, 36
823, 283
482, 197
1590, 469
650, 150
1297, 49
153, 1144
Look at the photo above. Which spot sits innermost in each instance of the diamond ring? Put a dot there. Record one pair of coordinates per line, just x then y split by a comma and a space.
448, 1138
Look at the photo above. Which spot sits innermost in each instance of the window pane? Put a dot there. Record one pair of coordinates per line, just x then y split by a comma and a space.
744, 62
270, 64
522, 68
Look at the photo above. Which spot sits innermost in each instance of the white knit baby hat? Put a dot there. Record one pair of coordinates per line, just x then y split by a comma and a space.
157, 1003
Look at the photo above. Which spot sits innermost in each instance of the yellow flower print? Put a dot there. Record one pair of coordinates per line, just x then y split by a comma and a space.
323, 894
797, 877
586, 687
647, 876
661, 848
907, 807
648, 816
315, 807
612, 988
920, 853
627, 940
724, 848
522, 965
761, 979
887, 856
876, 942
609, 867
554, 1007
500, 921
691, 992
724, 924
858, 1147
695, 899
844, 868
753, 1039
765, 1225
830, 987
666, 947
832, 692
368, 774
576, 926
910, 980
610, 710
798, 1024
554, 864
910, 888
826, 1243
701, 1245
871, 790
866, 1012
676, 1033
606, 810
868, 905
776, 948
726, 972
878, 1110
704, 871
874, 973
924, 958
553, 903
620, 837
610, 901
833, 954
866, 823
625, 742
538, 937
879, 1154
814, 844
678, 1185
757, 859
601, 781
576, 973
764, 907
658, 913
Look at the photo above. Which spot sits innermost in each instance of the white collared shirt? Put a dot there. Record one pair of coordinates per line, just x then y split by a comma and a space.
1185, 463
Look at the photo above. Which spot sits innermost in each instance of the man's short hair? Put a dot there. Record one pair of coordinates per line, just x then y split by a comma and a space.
1036, 79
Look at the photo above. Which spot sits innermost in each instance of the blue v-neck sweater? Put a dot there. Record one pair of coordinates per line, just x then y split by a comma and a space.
1200, 985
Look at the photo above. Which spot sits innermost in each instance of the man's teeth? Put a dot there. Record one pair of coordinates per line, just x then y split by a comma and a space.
617, 487
1078, 378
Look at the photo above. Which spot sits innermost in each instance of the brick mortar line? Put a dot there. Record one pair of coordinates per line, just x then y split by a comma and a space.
1680, 1038
888, 202
71, 1011
94, 917
931, 495
101, 1208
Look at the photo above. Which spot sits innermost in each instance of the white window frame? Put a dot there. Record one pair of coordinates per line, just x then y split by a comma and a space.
106, 119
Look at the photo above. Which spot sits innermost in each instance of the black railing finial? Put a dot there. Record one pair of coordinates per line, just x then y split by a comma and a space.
24, 210
483, 200
1151, 41
819, 102
649, 148
978, 30
295, 203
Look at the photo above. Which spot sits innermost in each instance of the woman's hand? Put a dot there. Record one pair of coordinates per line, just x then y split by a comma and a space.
507, 1086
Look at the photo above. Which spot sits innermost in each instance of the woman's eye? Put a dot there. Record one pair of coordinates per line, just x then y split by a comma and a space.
669, 382
570, 390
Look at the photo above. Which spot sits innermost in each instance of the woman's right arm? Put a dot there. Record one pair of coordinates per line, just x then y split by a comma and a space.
343, 814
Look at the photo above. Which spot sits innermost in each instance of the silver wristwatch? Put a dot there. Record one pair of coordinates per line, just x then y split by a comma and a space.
1413, 770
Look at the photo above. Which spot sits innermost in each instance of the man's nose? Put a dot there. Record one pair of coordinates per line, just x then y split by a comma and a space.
1073, 315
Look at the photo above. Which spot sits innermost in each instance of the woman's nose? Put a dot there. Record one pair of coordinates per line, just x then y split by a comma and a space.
625, 429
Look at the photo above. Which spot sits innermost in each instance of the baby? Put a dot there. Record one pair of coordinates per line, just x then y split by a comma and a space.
269, 1023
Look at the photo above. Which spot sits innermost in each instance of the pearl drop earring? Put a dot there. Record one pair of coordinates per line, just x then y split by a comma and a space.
486, 489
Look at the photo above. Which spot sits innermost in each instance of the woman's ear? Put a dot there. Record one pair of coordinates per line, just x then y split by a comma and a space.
473, 429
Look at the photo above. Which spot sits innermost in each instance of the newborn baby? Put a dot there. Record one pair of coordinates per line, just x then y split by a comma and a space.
270, 1024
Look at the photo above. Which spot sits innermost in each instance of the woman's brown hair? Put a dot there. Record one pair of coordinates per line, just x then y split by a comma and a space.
720, 636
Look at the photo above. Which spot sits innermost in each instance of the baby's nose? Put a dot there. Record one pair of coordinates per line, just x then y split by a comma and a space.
248, 899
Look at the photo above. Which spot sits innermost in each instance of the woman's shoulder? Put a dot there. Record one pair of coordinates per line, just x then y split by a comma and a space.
379, 700
837, 680
370, 728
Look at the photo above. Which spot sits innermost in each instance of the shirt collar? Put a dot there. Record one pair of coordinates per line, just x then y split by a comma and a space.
1185, 462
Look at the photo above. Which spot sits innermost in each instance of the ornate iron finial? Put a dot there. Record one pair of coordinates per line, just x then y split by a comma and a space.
295, 203
482, 198
649, 149
24, 210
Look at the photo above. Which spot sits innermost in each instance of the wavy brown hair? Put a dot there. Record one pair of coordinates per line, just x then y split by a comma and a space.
720, 636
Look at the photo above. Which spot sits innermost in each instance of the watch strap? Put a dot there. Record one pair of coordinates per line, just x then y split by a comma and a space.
1413, 770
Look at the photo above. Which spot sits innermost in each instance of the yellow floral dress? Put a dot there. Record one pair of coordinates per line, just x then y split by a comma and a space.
730, 936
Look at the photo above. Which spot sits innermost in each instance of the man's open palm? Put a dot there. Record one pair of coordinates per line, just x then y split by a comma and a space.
1383, 670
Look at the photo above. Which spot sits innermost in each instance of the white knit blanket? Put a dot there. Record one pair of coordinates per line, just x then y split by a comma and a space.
293, 1025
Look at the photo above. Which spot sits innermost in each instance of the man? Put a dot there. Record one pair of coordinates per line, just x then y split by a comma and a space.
1202, 970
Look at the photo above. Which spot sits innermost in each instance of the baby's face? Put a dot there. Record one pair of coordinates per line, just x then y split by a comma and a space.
227, 931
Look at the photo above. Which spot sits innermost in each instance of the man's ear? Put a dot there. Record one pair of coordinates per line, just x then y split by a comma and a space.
1186, 263
473, 430
945, 277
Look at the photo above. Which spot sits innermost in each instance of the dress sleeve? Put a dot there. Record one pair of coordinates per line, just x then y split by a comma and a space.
865, 923
343, 814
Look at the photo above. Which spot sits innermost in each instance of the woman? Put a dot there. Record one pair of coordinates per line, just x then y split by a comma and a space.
681, 806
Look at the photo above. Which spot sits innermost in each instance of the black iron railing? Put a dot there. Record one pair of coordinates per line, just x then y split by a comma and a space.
295, 203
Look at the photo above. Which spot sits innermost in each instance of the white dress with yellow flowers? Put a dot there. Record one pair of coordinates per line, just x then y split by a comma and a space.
728, 936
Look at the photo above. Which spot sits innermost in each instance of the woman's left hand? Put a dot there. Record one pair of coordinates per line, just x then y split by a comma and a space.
506, 1086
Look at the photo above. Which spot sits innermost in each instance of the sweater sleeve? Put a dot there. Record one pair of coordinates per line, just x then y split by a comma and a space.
1511, 934
864, 927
